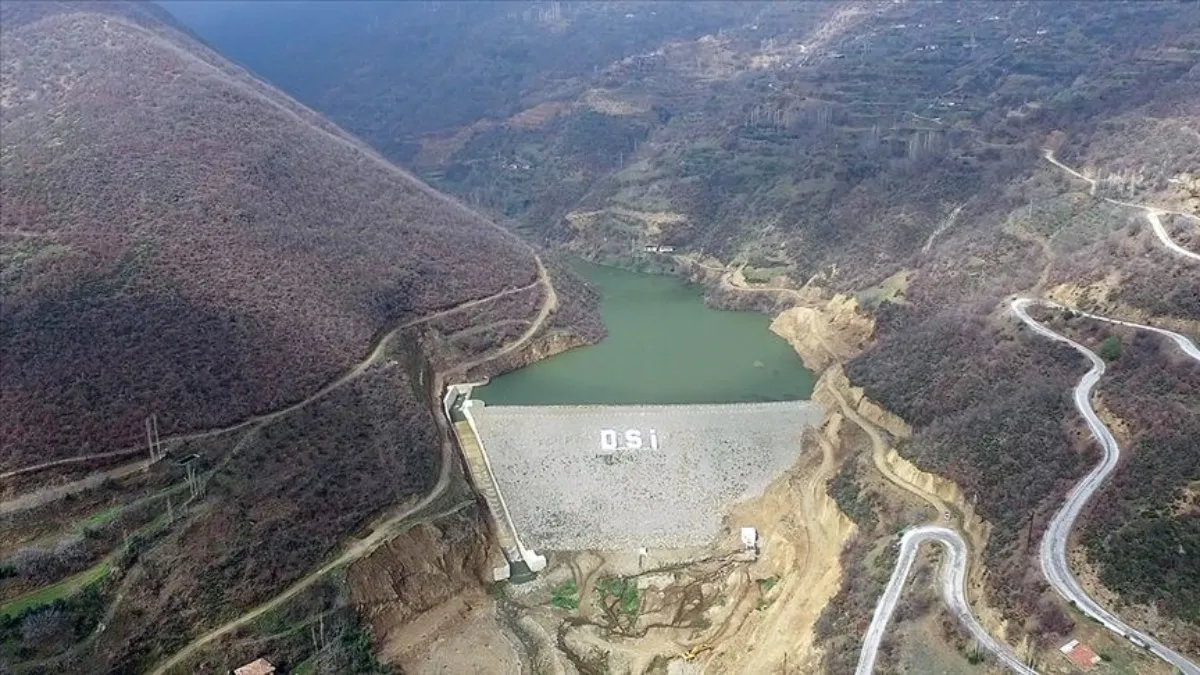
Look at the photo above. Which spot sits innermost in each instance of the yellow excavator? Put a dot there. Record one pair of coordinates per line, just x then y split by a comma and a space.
692, 653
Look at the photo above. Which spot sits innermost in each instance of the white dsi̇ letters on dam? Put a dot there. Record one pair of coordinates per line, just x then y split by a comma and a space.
632, 439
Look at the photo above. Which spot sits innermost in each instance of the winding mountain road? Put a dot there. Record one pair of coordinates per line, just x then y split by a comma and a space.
1152, 213
1053, 552
954, 576
1165, 237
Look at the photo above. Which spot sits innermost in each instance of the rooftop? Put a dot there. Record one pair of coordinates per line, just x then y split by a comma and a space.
256, 667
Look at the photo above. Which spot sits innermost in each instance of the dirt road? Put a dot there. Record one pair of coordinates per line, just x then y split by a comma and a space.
396, 523
383, 533
44, 496
373, 357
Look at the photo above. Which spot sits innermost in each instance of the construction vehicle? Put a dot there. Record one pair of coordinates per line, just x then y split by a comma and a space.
692, 653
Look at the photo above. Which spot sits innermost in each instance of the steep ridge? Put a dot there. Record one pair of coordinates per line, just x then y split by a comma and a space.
193, 243
180, 239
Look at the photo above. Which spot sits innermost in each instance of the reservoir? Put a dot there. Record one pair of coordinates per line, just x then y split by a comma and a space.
664, 345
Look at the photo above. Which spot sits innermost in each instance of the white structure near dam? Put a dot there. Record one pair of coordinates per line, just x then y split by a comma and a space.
628, 476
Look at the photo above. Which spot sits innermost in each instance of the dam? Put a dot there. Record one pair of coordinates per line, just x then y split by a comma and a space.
643, 441
626, 477
607, 477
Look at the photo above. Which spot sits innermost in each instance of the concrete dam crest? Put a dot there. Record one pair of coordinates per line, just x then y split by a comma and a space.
610, 477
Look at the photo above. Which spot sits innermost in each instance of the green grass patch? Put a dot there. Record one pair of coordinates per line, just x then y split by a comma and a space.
762, 275
767, 584
63, 589
1110, 348
104, 517
624, 591
566, 596
498, 590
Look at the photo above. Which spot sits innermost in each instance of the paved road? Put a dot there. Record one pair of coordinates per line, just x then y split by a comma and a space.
1049, 155
954, 574
1165, 238
1053, 553
1152, 214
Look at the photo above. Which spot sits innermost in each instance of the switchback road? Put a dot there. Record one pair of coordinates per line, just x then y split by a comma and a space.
1053, 552
954, 575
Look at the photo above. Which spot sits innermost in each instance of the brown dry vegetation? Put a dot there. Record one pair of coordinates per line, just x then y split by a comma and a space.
180, 238
287, 246
842, 162
194, 248
1143, 525
277, 507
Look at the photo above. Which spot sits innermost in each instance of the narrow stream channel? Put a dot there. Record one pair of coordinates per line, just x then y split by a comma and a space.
664, 345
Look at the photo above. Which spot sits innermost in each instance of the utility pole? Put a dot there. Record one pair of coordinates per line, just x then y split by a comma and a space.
152, 440
193, 481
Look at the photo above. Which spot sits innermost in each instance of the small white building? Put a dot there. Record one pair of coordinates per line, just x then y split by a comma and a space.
749, 538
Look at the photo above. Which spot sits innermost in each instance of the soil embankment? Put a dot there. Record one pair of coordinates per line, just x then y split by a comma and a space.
826, 334
802, 534
422, 585
828, 331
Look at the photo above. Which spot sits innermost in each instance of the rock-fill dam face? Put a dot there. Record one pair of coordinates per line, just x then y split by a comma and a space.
631, 476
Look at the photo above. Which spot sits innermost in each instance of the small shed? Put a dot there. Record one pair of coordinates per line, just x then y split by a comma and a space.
749, 538
256, 667
1080, 654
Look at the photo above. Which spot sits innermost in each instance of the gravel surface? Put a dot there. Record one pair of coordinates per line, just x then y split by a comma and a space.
568, 488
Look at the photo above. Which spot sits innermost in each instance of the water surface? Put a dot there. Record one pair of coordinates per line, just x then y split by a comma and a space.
664, 345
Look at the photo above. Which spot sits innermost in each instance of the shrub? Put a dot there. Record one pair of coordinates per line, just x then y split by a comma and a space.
34, 564
37, 627
1110, 348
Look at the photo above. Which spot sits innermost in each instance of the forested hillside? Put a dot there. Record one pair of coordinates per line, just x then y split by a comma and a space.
895, 151
182, 240
185, 247
392, 71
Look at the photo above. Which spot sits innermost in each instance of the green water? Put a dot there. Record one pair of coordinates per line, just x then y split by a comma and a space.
664, 345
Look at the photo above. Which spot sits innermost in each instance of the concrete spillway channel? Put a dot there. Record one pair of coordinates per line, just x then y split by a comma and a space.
521, 563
